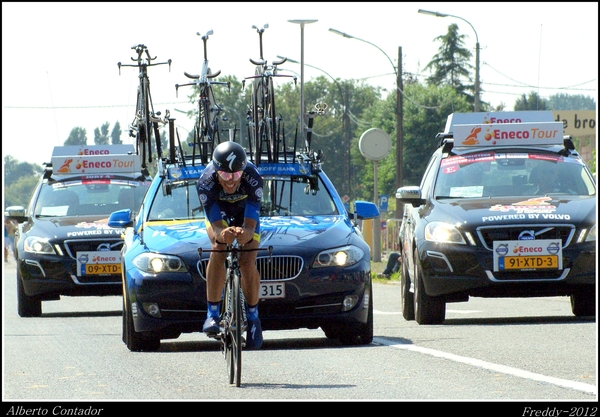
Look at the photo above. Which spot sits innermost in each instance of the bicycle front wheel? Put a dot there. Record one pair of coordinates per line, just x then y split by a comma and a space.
234, 330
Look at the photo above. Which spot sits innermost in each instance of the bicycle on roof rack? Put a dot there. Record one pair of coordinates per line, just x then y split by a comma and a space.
265, 127
146, 120
206, 129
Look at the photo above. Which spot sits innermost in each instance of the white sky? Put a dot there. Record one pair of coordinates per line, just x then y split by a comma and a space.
59, 60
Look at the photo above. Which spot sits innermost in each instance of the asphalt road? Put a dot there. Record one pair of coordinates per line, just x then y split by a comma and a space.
515, 352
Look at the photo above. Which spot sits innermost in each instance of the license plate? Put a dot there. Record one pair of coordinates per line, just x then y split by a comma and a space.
98, 263
527, 254
96, 269
272, 290
528, 262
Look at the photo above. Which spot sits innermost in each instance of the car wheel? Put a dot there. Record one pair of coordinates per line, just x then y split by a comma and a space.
407, 298
428, 310
136, 342
361, 334
27, 306
583, 303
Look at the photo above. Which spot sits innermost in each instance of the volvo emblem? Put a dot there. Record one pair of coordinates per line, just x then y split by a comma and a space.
527, 235
103, 247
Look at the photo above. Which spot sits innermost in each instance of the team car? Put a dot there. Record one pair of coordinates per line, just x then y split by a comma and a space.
64, 245
317, 274
506, 208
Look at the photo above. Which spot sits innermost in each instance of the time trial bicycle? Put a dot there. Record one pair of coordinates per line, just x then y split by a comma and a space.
233, 321
206, 129
146, 120
265, 126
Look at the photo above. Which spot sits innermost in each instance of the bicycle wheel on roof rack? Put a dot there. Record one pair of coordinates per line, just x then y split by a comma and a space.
270, 117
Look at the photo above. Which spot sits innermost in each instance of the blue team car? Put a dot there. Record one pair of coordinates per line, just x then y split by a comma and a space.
318, 274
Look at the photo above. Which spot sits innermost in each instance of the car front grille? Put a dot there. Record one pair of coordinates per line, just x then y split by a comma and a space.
271, 268
92, 245
489, 234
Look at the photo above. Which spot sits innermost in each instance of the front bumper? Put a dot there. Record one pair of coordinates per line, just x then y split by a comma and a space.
464, 271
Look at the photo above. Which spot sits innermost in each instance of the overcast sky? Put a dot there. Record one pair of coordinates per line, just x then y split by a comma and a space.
59, 60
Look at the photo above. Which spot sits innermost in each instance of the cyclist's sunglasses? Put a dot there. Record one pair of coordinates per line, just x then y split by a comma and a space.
228, 176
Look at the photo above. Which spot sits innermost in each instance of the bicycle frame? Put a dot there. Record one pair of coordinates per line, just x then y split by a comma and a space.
265, 125
146, 120
206, 130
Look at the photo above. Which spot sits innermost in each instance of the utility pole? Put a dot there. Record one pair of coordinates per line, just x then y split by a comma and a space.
399, 133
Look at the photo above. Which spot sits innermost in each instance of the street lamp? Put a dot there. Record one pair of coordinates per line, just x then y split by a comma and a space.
302, 22
399, 113
345, 117
438, 14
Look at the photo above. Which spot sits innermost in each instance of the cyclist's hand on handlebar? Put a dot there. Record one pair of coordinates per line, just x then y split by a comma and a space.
227, 235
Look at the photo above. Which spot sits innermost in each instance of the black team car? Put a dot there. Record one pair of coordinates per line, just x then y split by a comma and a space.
506, 208
64, 245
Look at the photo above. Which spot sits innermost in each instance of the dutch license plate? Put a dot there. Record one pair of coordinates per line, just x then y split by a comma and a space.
528, 262
95, 269
527, 254
272, 290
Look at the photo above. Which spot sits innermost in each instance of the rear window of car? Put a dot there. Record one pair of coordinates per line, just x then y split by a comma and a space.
507, 174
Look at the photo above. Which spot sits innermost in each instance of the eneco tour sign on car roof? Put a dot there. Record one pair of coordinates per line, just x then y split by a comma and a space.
509, 134
95, 159
497, 117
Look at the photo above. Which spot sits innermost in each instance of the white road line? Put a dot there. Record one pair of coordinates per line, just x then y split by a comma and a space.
578, 386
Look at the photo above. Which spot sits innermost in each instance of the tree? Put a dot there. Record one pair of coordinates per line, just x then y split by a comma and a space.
571, 102
115, 135
20, 179
78, 136
451, 65
101, 135
531, 102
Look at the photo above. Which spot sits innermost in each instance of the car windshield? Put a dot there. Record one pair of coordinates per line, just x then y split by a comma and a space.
511, 174
281, 197
89, 197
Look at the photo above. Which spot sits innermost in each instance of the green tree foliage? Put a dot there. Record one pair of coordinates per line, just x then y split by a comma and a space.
101, 135
451, 65
20, 179
115, 134
532, 101
571, 102
78, 136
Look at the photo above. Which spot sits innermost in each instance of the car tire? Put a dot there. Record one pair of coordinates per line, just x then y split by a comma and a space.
27, 306
583, 303
428, 310
361, 334
407, 298
136, 342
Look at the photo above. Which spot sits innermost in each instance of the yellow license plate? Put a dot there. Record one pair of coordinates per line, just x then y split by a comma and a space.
528, 262
96, 269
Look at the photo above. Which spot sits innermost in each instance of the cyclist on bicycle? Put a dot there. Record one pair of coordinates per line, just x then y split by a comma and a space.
230, 190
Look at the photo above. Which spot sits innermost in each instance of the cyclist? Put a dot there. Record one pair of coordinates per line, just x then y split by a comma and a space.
230, 190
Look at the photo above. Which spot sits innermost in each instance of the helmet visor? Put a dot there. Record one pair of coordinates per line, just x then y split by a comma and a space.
230, 176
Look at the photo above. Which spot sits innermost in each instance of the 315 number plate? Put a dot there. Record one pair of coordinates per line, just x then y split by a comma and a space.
272, 290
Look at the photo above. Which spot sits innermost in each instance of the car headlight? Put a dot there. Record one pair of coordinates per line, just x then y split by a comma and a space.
590, 236
36, 244
443, 233
155, 263
344, 256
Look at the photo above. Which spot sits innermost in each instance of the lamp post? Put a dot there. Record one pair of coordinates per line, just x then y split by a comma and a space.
302, 22
438, 14
345, 117
399, 113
